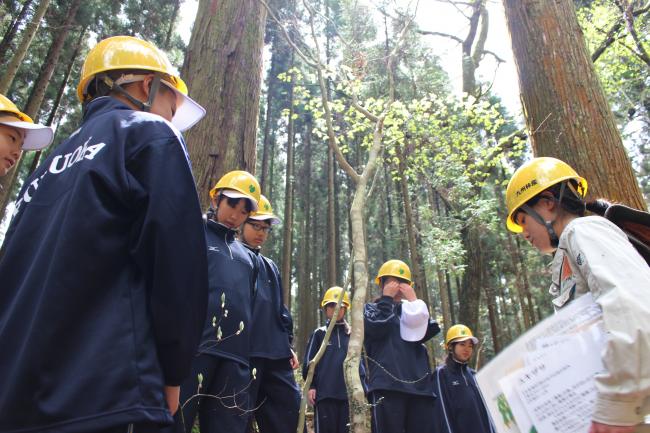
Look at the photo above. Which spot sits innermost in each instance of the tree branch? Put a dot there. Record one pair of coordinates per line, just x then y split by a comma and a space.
308, 59
611, 35
444, 35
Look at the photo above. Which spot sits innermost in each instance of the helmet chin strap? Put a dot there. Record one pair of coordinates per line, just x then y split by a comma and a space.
115, 85
553, 237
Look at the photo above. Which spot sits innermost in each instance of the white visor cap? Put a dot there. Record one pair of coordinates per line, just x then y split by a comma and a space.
273, 220
188, 111
414, 320
37, 136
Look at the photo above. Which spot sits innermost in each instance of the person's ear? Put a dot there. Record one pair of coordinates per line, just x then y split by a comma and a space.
549, 202
146, 85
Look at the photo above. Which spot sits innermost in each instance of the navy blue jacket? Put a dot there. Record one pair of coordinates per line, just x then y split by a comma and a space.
232, 276
104, 278
328, 380
272, 333
395, 364
460, 404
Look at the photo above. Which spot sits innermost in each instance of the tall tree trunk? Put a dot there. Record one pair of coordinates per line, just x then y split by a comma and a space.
417, 271
10, 34
469, 292
287, 244
277, 51
470, 60
521, 277
332, 228
445, 299
172, 24
566, 110
491, 301
223, 67
28, 35
38, 94
59, 95
304, 258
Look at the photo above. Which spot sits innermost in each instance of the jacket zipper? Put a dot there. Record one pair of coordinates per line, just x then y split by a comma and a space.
463, 374
225, 239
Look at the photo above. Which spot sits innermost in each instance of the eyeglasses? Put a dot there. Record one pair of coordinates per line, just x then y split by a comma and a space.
259, 227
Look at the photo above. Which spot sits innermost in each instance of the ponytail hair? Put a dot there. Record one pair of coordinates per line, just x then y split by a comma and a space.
598, 206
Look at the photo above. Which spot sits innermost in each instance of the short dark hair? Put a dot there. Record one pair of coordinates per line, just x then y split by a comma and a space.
97, 87
571, 201
383, 280
233, 202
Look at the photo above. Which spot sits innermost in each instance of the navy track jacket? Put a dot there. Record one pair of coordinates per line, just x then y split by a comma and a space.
272, 334
103, 278
395, 364
232, 276
460, 405
328, 378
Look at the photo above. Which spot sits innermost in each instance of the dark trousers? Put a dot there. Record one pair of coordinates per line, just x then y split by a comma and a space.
398, 412
275, 396
136, 428
332, 416
222, 399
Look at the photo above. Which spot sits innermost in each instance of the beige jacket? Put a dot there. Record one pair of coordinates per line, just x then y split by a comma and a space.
595, 256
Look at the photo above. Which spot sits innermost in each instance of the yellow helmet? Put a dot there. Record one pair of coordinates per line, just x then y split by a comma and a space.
534, 177
459, 333
264, 212
394, 268
239, 184
332, 296
130, 53
37, 136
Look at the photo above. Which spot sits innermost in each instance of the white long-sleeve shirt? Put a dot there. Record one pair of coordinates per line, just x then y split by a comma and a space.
595, 256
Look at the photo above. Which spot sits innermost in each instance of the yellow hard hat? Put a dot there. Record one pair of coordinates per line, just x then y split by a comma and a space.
238, 184
534, 177
332, 296
459, 333
394, 268
37, 136
264, 211
130, 53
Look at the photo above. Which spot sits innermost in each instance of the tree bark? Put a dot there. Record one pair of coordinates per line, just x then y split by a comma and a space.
566, 110
21, 51
223, 67
10, 34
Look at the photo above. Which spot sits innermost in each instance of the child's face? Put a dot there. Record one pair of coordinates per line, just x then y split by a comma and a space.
232, 217
329, 311
535, 232
256, 232
11, 144
463, 350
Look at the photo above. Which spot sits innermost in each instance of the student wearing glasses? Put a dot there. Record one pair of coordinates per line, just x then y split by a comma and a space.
274, 393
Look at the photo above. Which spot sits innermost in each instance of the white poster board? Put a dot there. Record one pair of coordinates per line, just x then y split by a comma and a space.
543, 382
